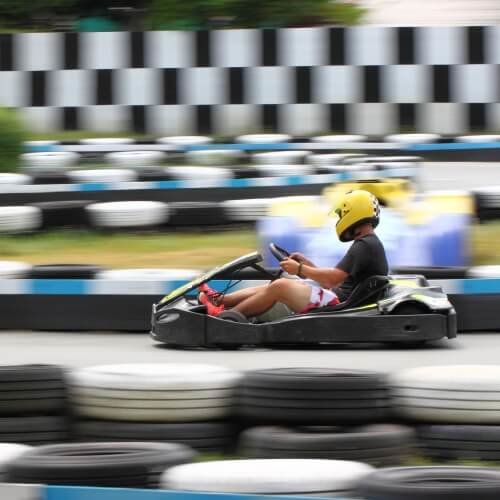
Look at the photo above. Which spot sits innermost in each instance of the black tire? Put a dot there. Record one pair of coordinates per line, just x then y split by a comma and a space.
196, 214
152, 175
34, 431
50, 178
460, 442
32, 389
60, 214
313, 396
98, 464
65, 271
201, 436
430, 483
436, 273
374, 444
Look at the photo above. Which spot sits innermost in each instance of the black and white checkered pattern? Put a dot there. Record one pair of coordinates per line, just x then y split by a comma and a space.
367, 80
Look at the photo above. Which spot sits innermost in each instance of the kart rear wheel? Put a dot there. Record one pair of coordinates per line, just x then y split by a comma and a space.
232, 315
408, 309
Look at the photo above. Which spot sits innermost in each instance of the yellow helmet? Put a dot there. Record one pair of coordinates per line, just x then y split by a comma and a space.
355, 208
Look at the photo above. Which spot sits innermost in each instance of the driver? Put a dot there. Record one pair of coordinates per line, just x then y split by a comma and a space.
358, 216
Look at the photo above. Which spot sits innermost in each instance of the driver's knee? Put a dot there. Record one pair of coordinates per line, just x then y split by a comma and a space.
280, 288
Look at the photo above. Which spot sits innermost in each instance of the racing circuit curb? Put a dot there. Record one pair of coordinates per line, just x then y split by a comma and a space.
93, 305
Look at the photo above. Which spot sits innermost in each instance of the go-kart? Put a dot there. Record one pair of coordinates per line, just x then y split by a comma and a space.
402, 310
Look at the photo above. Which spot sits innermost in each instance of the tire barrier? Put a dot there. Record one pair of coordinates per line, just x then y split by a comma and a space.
65, 271
34, 430
324, 478
245, 210
154, 393
135, 159
7, 180
213, 157
284, 170
338, 138
204, 437
412, 138
50, 178
63, 214
484, 272
430, 483
477, 138
332, 159
263, 138
8, 452
113, 141
378, 445
147, 274
14, 270
459, 442
128, 214
487, 203
190, 173
48, 162
196, 214
456, 394
185, 140
313, 396
433, 273
20, 219
126, 465
103, 175
280, 157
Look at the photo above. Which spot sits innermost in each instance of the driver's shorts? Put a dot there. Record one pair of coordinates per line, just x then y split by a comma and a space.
320, 297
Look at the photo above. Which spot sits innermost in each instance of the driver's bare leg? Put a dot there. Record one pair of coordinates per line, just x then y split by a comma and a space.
294, 293
234, 298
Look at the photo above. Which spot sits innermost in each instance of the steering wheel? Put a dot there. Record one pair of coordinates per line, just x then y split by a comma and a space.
278, 253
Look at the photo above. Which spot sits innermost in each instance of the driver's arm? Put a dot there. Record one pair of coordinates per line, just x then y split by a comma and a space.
326, 277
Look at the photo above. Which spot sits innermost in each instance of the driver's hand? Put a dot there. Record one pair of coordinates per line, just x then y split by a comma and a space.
301, 258
290, 266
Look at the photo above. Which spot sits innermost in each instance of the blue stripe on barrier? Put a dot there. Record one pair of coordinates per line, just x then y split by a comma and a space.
88, 493
59, 287
480, 286
92, 186
451, 146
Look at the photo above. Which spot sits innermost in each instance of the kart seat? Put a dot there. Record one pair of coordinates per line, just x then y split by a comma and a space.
368, 291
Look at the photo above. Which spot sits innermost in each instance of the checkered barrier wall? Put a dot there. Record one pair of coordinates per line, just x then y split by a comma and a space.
369, 80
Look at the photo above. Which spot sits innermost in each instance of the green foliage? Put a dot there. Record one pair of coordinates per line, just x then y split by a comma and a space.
190, 14
18, 8
12, 136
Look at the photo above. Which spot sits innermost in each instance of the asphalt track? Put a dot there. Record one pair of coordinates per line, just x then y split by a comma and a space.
75, 349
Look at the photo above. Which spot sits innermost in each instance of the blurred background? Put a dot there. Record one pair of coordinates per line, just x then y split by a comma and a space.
163, 135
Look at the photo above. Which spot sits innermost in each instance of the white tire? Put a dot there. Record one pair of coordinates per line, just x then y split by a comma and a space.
135, 159
262, 138
46, 142
57, 161
338, 138
128, 214
14, 179
484, 272
478, 138
280, 157
284, 170
185, 140
443, 393
213, 157
269, 476
19, 219
9, 452
103, 175
154, 415
327, 160
148, 274
188, 173
246, 210
412, 138
105, 141
180, 392
14, 270
171, 377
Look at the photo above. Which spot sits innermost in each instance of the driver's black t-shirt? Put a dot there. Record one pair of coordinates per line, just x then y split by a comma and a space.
365, 258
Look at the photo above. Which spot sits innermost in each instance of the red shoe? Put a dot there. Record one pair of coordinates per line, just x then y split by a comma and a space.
208, 297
